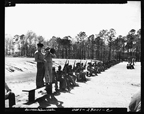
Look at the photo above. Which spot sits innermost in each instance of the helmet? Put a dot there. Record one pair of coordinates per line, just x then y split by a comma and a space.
52, 50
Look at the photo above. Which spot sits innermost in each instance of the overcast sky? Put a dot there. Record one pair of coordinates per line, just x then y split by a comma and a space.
61, 20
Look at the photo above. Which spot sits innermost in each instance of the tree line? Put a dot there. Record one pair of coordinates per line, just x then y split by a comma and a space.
103, 46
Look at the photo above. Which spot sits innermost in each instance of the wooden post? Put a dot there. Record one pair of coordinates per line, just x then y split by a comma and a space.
31, 96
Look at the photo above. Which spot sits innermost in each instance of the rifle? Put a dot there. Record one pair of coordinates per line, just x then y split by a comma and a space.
81, 67
68, 62
64, 65
74, 64
85, 64
80, 62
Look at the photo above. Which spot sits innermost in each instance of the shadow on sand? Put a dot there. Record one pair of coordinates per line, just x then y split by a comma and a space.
48, 100
87, 79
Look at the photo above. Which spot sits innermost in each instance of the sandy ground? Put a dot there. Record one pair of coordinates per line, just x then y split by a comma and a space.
112, 88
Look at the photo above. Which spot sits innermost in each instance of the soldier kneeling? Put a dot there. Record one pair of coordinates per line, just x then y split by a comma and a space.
130, 66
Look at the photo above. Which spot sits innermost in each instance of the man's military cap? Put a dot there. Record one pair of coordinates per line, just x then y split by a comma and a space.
40, 44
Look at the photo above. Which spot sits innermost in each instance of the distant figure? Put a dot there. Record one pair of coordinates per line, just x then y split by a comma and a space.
133, 61
135, 104
50, 53
9, 95
39, 58
129, 59
130, 66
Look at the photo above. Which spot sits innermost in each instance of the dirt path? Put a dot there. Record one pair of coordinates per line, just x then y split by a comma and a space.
112, 88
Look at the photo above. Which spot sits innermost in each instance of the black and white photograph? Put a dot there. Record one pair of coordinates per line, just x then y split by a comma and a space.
82, 57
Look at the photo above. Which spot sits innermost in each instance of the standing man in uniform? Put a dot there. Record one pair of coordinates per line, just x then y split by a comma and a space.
39, 58
50, 53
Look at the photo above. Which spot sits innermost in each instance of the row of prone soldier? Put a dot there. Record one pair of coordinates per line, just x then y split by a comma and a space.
65, 79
